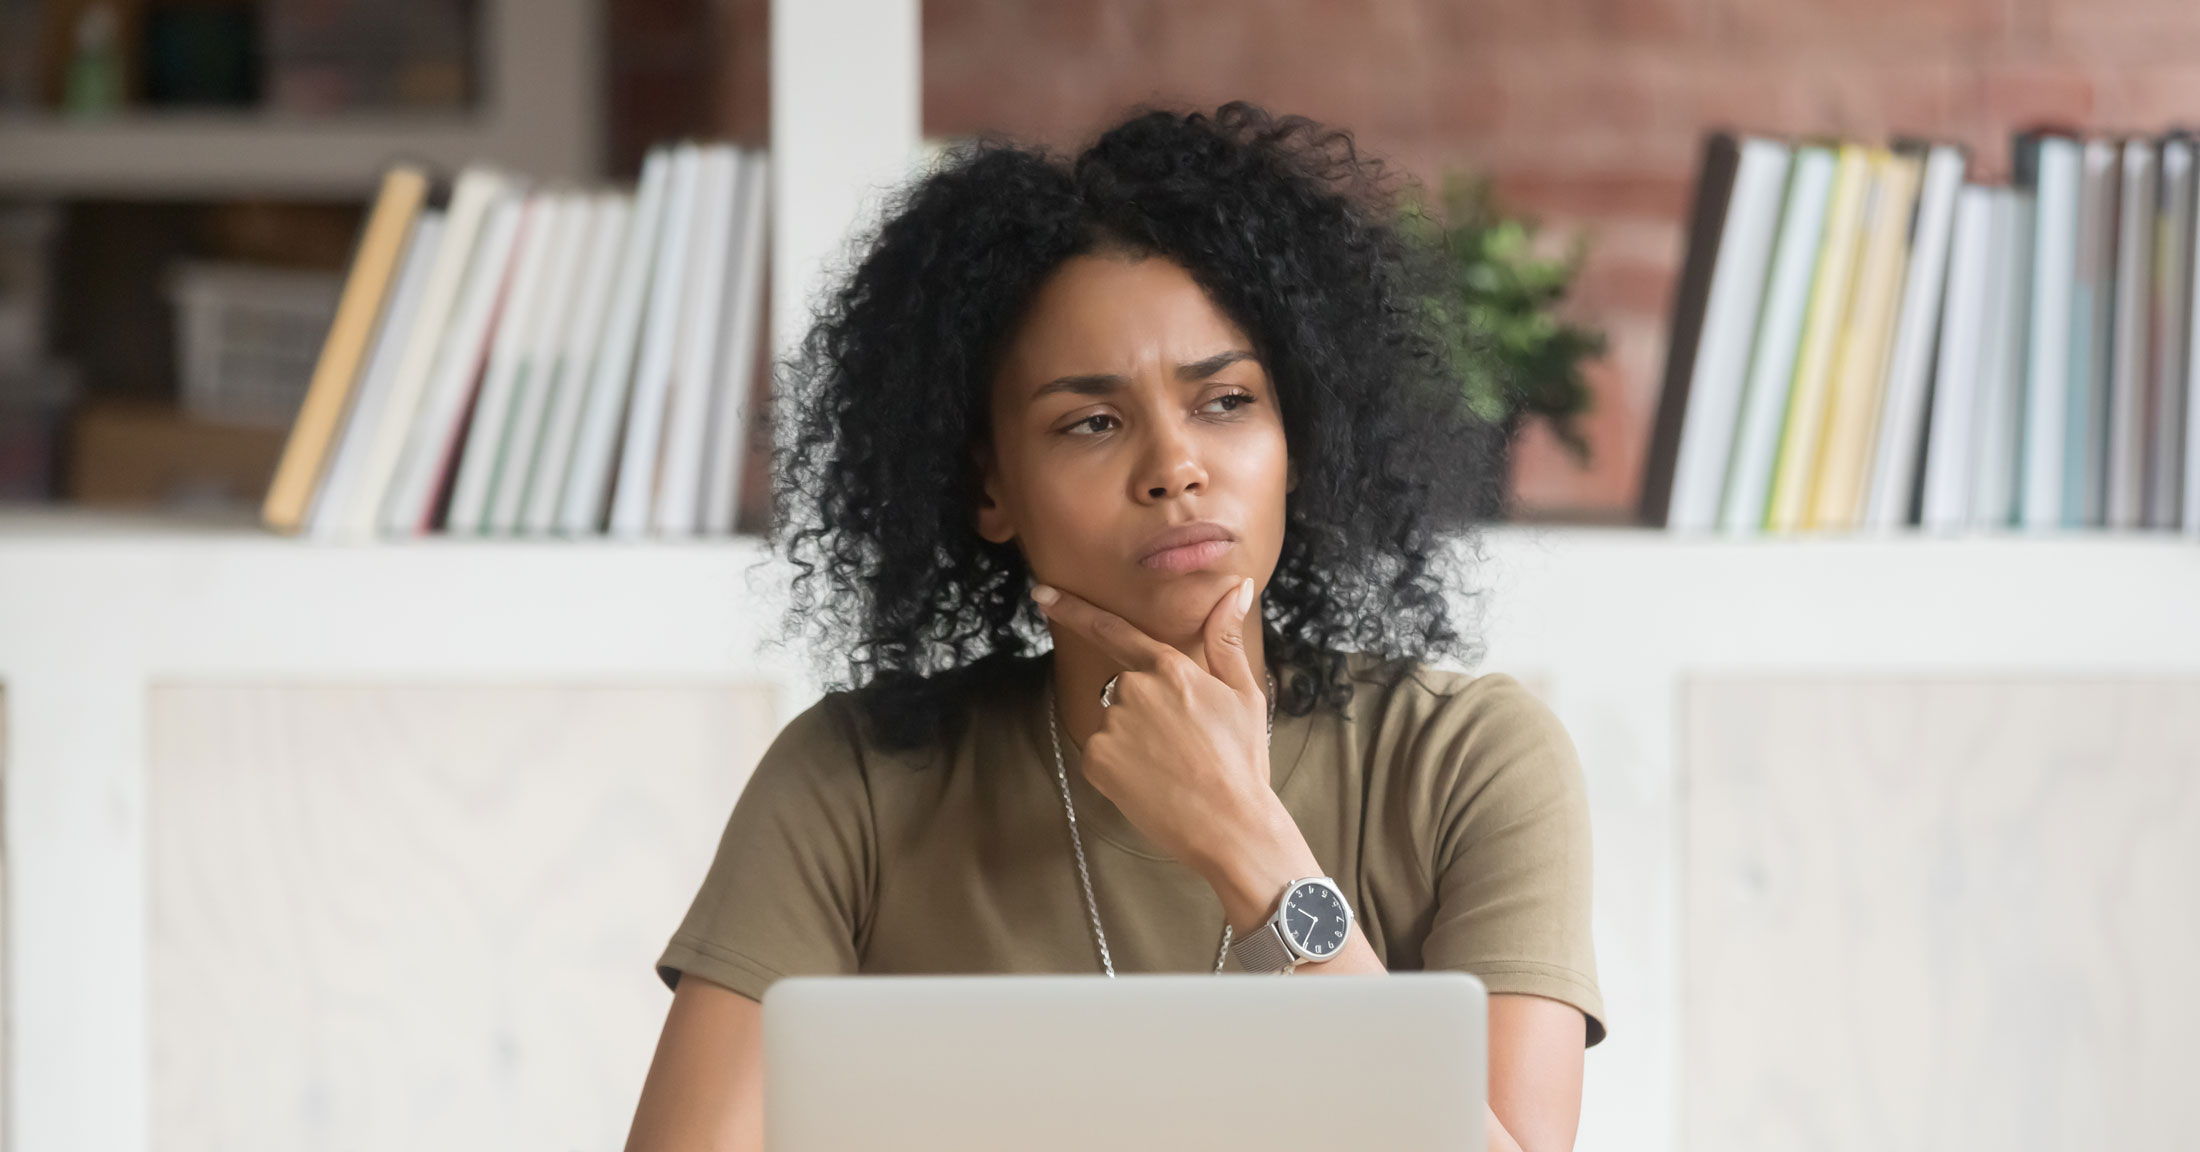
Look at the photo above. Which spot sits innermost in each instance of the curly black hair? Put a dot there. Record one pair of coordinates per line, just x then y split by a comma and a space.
1292, 233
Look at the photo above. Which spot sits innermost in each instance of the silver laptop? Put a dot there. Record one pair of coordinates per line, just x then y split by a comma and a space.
1137, 1064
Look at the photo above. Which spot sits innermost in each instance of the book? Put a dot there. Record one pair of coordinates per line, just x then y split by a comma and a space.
2131, 357
676, 507
2085, 423
336, 492
2191, 500
410, 506
1998, 446
576, 358
634, 492
476, 189
336, 375
1796, 465
1860, 359
543, 231
2048, 166
1779, 334
1715, 174
1896, 456
744, 323
553, 321
1956, 383
1722, 288
2173, 335
586, 495
1713, 396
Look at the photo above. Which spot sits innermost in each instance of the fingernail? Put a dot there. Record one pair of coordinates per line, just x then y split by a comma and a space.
1245, 597
1044, 594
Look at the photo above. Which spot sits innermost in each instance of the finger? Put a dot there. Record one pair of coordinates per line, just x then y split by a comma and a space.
1225, 633
1110, 633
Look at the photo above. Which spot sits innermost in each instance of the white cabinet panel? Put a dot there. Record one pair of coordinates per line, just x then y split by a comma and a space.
423, 917
1941, 913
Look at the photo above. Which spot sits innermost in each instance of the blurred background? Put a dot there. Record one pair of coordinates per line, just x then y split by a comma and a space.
313, 845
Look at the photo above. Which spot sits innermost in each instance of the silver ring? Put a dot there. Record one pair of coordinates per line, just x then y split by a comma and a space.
1107, 692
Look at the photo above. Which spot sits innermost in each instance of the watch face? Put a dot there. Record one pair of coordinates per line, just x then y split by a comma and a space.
1316, 920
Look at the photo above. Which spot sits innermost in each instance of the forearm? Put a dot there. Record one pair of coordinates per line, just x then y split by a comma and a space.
1249, 871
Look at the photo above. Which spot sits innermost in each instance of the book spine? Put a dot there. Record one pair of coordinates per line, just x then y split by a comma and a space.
2172, 334
335, 376
1730, 320
2048, 356
583, 502
1894, 475
2131, 368
1707, 221
1779, 336
1956, 389
1829, 304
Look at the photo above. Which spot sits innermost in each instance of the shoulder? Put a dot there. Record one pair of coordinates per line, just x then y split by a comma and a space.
1460, 739
845, 730
1442, 704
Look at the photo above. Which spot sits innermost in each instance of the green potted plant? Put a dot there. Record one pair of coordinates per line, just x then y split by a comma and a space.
1495, 303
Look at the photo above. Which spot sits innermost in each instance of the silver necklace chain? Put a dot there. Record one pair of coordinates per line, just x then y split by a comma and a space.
1077, 843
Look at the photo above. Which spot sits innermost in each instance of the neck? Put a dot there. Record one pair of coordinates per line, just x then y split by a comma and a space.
1080, 670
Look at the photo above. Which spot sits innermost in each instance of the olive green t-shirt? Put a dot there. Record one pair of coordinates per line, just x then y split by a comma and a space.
1448, 807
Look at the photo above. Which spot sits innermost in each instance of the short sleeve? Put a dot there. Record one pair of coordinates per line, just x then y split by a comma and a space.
786, 893
1512, 852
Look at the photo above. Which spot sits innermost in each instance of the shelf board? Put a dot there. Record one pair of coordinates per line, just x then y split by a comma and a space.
539, 115
219, 154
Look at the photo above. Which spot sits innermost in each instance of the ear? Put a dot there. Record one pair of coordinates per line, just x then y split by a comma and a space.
989, 517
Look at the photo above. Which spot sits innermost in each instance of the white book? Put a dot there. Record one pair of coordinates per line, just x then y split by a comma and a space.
586, 491
635, 490
476, 189
2192, 398
2173, 338
1963, 339
1910, 360
410, 503
327, 519
675, 511
569, 387
2092, 316
1997, 445
1731, 307
1748, 480
541, 232
729, 425
539, 366
2047, 362
2131, 361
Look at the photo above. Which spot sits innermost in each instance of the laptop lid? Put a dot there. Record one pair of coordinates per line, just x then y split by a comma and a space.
1143, 1063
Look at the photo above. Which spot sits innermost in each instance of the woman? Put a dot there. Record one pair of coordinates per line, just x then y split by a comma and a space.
1171, 403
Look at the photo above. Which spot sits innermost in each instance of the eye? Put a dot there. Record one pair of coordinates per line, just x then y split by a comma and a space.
1086, 423
1241, 400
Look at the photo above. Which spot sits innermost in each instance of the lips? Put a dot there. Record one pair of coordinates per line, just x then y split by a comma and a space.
1186, 546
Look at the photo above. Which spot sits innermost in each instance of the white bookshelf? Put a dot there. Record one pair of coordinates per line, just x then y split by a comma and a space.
540, 112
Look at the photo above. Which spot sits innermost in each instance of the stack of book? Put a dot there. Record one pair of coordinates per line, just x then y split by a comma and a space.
1862, 339
523, 360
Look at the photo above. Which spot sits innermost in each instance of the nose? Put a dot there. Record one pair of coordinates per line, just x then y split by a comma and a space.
1170, 465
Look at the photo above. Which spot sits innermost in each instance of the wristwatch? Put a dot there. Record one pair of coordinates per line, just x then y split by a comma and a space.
1310, 925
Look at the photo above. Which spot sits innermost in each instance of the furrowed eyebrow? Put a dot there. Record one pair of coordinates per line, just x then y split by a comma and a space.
1102, 383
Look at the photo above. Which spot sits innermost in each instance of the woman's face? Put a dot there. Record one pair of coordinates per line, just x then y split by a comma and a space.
1127, 405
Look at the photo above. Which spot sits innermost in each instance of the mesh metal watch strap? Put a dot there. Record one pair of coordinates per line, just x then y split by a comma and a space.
1263, 951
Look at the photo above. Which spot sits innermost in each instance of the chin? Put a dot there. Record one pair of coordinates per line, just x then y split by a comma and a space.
1180, 607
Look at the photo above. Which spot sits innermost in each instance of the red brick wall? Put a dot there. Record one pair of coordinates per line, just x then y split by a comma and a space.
1588, 112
